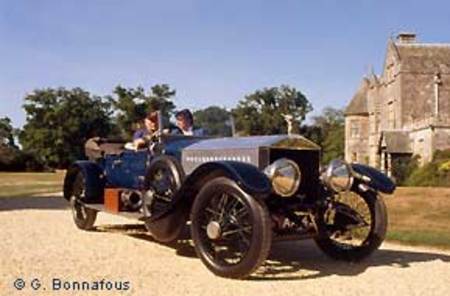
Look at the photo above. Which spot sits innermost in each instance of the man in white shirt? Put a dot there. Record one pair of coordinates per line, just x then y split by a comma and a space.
185, 122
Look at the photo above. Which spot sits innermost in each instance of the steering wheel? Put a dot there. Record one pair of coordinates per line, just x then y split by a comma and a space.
174, 130
153, 138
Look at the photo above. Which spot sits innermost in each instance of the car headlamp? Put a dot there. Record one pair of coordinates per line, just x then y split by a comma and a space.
339, 176
285, 176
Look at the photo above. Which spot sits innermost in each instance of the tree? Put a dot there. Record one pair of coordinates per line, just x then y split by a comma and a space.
332, 126
132, 104
214, 120
9, 158
333, 145
59, 121
6, 132
261, 113
313, 133
10, 155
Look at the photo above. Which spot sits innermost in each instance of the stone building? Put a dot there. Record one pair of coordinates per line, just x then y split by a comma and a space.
404, 111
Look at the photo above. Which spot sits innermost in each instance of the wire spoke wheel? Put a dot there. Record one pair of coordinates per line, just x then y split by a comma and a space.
350, 220
162, 182
164, 185
226, 236
353, 227
83, 217
230, 229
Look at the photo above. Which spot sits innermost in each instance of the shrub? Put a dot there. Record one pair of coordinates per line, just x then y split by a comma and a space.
14, 160
434, 173
403, 167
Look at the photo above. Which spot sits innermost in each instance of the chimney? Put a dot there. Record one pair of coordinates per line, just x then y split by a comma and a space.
406, 37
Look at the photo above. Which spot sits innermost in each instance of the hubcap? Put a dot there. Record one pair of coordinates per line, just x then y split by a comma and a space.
225, 225
213, 230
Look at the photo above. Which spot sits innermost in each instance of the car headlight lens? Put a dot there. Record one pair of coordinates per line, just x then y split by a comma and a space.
285, 176
338, 176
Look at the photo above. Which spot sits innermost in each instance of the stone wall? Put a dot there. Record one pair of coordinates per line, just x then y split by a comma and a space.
357, 139
441, 138
444, 99
421, 144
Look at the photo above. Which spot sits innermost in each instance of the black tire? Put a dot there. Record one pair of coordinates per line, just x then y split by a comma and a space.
164, 178
376, 232
158, 200
245, 221
83, 217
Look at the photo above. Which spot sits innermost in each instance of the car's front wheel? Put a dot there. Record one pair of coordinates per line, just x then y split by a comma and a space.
83, 216
231, 230
354, 227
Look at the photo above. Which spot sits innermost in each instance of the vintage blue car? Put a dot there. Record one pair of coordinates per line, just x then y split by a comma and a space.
239, 194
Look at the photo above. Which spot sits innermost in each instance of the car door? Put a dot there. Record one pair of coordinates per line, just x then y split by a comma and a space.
127, 170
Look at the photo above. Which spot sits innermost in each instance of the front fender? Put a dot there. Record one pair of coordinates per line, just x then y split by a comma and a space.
247, 176
94, 180
378, 180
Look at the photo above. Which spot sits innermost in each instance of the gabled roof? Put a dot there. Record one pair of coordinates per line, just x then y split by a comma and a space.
424, 57
358, 104
392, 54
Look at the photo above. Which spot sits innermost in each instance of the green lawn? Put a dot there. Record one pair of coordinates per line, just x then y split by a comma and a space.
420, 237
26, 184
420, 216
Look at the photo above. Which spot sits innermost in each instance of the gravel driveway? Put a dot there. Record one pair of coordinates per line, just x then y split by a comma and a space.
40, 244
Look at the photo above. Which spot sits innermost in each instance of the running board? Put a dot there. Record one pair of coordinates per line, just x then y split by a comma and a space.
126, 214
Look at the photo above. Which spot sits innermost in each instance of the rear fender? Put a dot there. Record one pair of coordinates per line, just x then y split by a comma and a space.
93, 178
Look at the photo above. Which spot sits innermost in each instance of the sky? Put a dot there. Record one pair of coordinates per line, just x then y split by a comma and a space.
211, 52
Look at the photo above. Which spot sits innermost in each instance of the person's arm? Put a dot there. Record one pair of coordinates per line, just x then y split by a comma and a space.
138, 139
138, 143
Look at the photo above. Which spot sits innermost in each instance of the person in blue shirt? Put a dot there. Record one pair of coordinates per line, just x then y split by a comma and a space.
144, 134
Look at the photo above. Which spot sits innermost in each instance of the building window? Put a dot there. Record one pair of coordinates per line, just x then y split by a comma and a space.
391, 114
354, 130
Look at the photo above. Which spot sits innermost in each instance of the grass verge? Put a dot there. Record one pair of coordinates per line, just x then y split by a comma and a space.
420, 216
420, 238
27, 184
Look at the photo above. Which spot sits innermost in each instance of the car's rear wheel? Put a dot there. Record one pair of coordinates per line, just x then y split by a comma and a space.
83, 217
231, 230
163, 181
